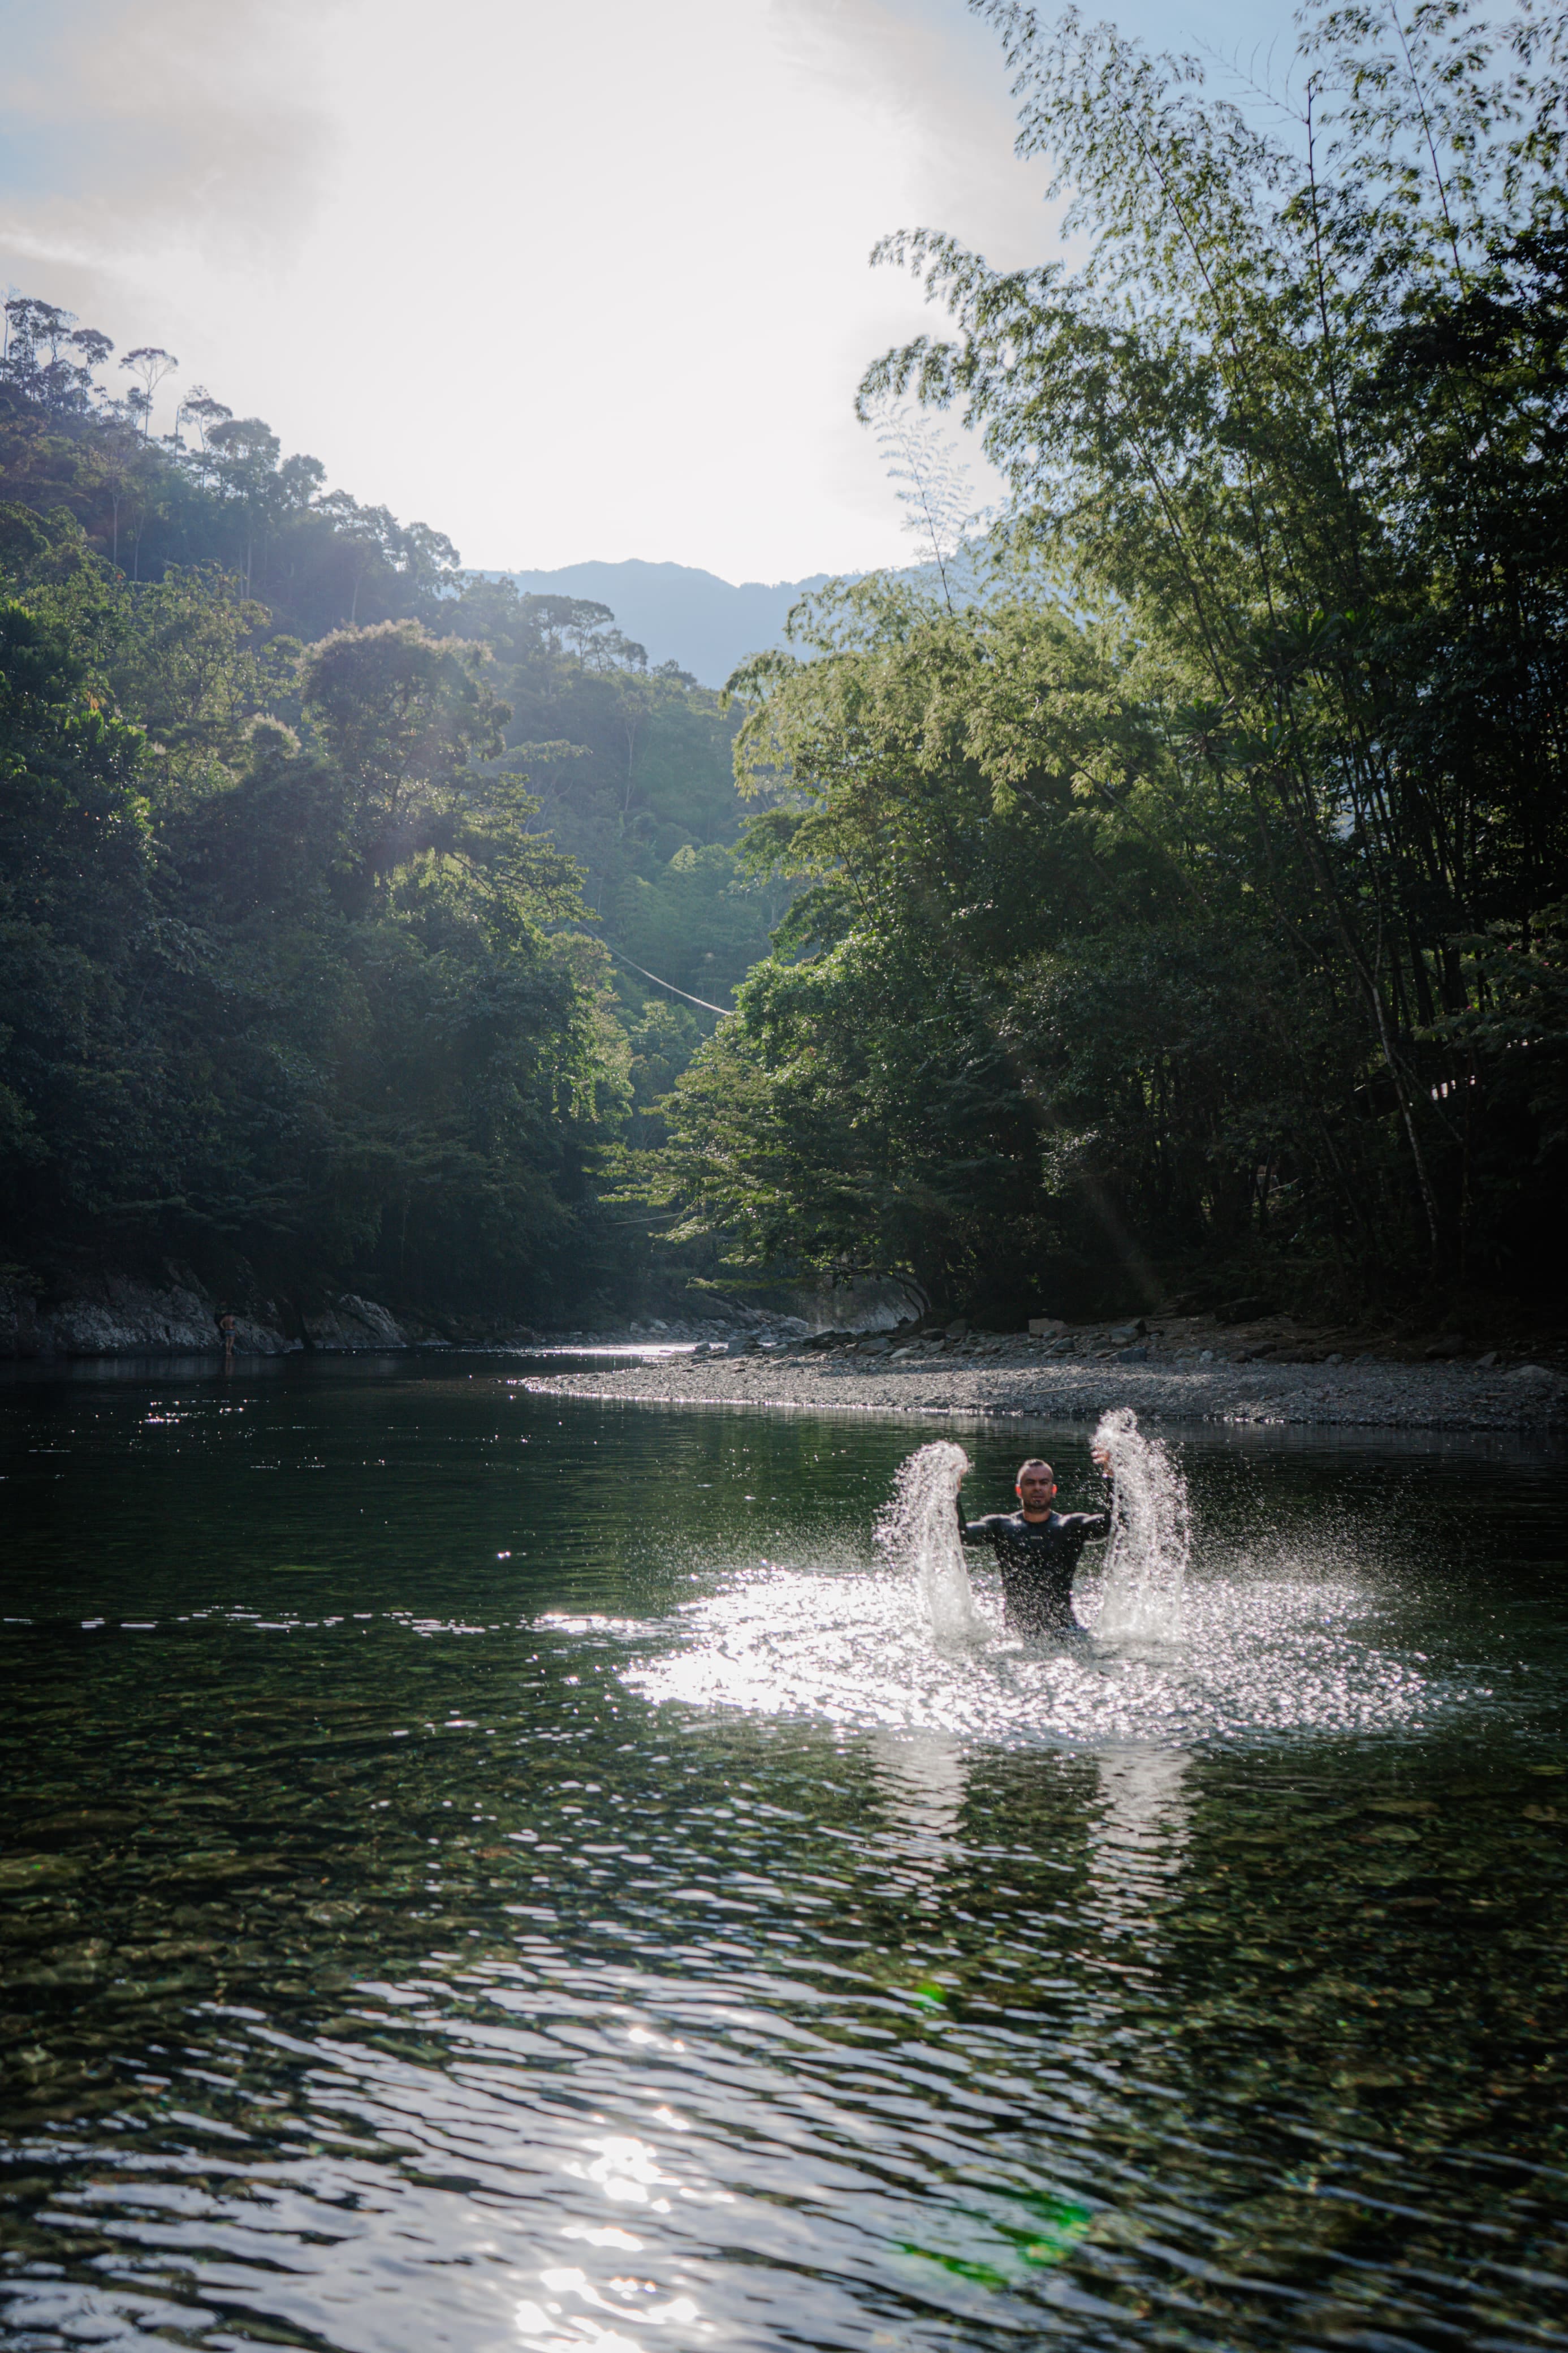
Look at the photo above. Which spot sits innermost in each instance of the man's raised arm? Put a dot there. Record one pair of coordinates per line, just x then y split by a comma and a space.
975, 1532
1100, 1457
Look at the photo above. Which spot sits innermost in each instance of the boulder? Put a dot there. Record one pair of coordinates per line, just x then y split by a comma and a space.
872, 1303
351, 1322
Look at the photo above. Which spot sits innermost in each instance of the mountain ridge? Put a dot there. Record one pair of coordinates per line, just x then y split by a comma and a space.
679, 612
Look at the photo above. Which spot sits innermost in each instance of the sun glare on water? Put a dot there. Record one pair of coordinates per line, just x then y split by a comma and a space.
1173, 1648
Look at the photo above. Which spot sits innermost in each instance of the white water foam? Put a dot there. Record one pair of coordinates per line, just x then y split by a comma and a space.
1151, 1538
919, 1534
1276, 1640
1263, 1656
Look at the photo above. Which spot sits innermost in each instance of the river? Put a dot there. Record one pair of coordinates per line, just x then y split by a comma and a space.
483, 1870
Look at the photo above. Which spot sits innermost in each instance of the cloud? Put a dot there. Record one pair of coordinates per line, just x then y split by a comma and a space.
934, 65
128, 127
566, 283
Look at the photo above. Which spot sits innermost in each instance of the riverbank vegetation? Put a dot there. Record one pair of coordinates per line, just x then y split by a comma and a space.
1186, 910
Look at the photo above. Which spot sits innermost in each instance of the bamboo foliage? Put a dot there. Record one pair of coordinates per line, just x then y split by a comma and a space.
1273, 664
1302, 412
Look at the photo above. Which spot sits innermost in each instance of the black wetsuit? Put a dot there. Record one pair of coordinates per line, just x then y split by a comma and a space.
1037, 1559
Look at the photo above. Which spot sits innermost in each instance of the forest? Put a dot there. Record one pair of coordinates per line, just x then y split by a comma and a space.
327, 867
1183, 909
1160, 892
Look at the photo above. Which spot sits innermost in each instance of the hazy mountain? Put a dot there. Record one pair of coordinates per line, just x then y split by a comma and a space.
679, 614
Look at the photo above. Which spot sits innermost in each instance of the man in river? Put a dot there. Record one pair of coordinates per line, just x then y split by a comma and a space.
1038, 1550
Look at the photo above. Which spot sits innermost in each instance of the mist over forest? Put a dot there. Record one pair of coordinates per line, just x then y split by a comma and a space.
1160, 897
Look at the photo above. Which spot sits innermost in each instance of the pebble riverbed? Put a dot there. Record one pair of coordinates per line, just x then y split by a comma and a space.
1015, 1378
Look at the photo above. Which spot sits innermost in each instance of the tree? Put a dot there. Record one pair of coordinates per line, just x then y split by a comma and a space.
186, 661
1302, 413
1002, 1038
74, 875
349, 1025
934, 489
95, 348
404, 715
149, 365
49, 358
199, 408
120, 469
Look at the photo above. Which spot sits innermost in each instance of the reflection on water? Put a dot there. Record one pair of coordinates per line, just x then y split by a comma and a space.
924, 1776
478, 1876
1139, 1839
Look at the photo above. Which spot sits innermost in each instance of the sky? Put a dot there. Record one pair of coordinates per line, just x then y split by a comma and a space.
566, 283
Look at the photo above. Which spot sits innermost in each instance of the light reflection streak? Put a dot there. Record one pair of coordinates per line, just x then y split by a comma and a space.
1137, 1844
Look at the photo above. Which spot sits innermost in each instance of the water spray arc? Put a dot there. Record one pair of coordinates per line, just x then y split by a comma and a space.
1150, 1537
918, 1533
1150, 1542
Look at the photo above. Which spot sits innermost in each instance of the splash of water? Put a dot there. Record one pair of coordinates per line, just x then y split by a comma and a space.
919, 1534
1150, 1536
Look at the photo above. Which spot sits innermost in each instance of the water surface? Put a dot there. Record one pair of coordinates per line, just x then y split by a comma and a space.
482, 1871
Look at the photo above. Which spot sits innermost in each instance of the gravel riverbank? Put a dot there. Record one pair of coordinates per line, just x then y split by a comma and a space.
1017, 1378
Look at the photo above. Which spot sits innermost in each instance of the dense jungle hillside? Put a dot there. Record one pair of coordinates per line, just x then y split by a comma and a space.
327, 869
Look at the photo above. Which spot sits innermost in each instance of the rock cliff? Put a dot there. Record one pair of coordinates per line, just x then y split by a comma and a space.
119, 1315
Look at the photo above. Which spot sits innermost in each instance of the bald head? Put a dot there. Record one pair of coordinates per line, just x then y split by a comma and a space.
1035, 1487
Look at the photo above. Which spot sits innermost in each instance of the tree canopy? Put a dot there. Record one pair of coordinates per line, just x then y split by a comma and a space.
1188, 905
317, 847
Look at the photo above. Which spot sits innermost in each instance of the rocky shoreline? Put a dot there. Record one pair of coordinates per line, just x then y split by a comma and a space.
124, 1315
1186, 1368
118, 1316
1161, 1376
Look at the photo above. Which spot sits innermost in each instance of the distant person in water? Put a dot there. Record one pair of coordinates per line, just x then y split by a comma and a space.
1038, 1550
